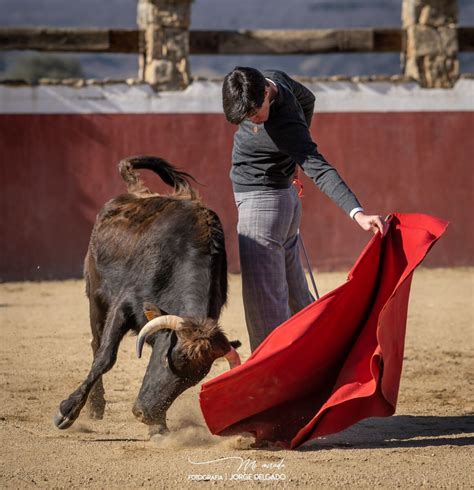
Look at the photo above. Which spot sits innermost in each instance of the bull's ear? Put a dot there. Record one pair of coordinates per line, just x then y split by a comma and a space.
151, 311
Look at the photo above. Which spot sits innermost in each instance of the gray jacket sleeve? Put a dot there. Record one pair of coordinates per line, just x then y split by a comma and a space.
305, 98
295, 140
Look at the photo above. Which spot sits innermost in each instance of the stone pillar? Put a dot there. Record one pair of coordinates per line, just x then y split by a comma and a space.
431, 53
166, 26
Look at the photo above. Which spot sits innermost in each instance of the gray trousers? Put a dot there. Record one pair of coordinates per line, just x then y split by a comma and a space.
274, 284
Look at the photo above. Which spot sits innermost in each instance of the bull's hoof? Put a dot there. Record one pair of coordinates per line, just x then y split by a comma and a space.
62, 422
96, 411
95, 414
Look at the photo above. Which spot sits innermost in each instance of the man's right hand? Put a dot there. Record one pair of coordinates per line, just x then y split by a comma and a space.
372, 223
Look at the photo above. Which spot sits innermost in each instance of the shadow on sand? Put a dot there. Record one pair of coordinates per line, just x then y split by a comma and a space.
401, 431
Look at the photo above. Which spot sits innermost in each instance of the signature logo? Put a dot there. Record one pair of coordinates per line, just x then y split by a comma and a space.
244, 469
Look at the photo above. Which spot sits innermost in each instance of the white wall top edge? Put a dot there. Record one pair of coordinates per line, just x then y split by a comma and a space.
205, 97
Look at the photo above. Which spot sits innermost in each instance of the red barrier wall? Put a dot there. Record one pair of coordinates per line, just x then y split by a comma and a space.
57, 170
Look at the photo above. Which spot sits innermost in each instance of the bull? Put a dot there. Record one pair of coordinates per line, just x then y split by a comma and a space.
156, 265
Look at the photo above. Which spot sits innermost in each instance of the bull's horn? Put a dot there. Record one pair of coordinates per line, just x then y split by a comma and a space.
233, 358
170, 322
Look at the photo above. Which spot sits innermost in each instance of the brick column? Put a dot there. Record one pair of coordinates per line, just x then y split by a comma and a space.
166, 26
431, 55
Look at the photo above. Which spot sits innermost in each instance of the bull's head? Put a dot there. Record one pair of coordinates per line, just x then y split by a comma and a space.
183, 352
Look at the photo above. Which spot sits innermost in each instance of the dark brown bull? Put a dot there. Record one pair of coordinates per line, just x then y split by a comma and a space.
160, 261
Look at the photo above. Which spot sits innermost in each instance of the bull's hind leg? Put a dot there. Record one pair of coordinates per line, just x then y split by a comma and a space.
105, 357
96, 401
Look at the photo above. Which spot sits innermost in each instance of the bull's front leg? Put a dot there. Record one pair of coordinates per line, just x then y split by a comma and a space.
106, 355
98, 314
96, 399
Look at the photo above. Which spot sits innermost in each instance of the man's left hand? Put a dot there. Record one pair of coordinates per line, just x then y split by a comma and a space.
372, 223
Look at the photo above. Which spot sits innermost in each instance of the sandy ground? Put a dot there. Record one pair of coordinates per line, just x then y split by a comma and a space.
45, 354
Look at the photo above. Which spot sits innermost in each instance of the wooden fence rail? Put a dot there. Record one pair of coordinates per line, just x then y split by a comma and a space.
259, 41
466, 38
296, 41
72, 39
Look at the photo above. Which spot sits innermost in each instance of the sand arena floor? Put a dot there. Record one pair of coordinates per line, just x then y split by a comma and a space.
45, 354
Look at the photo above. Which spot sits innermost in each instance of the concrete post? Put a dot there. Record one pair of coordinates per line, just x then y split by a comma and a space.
166, 26
431, 55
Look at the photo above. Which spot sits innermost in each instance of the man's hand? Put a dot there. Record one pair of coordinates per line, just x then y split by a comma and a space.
372, 223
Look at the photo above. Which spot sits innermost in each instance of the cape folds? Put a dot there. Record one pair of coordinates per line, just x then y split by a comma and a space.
337, 361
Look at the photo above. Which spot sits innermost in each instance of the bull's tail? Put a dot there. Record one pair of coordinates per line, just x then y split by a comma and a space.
169, 175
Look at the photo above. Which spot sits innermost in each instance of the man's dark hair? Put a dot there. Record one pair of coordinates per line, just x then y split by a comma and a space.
243, 93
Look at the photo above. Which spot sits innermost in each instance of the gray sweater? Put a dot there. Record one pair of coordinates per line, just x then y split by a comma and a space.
265, 155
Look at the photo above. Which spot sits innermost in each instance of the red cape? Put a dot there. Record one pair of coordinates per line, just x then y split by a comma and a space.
337, 361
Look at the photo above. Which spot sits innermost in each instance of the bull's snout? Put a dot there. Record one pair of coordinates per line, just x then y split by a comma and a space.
157, 422
140, 412
145, 416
